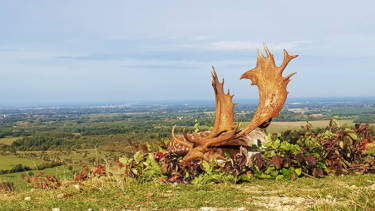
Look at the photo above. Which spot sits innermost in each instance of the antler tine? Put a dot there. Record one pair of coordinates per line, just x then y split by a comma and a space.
287, 78
287, 59
260, 55
269, 55
222, 138
187, 137
213, 72
186, 144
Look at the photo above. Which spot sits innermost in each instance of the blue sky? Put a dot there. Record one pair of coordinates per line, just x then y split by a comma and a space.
77, 51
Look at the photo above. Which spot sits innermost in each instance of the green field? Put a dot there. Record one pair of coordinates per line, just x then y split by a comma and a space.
9, 161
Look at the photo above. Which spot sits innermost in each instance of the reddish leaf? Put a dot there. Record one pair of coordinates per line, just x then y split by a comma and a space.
300, 157
311, 160
318, 172
173, 179
258, 158
276, 161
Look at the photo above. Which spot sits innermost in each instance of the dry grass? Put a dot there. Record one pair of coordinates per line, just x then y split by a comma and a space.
329, 193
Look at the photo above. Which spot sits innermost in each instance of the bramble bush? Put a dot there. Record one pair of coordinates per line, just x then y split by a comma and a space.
288, 155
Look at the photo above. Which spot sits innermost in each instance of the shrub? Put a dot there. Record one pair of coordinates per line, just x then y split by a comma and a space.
330, 151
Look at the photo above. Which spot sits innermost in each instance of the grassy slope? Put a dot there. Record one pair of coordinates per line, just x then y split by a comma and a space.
340, 193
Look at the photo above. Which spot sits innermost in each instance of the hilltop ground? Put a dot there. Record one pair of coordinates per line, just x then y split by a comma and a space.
77, 139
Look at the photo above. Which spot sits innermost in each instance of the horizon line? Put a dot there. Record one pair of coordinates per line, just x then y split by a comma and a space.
178, 102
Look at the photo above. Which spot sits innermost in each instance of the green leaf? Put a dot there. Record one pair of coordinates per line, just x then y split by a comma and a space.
269, 138
213, 163
227, 155
152, 168
298, 171
124, 160
153, 165
270, 169
286, 173
135, 171
353, 136
162, 150
138, 157
276, 144
321, 165
295, 148
207, 167
327, 134
285, 146
315, 154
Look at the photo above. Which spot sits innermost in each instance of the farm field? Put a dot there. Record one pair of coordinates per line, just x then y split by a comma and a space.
296, 125
9, 161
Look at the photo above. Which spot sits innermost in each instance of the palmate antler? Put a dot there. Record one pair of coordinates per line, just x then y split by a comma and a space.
272, 95
272, 87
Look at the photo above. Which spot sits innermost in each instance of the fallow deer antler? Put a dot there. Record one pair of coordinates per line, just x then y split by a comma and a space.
272, 95
224, 127
272, 88
224, 120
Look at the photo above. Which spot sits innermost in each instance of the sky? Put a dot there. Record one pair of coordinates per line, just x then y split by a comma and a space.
87, 51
